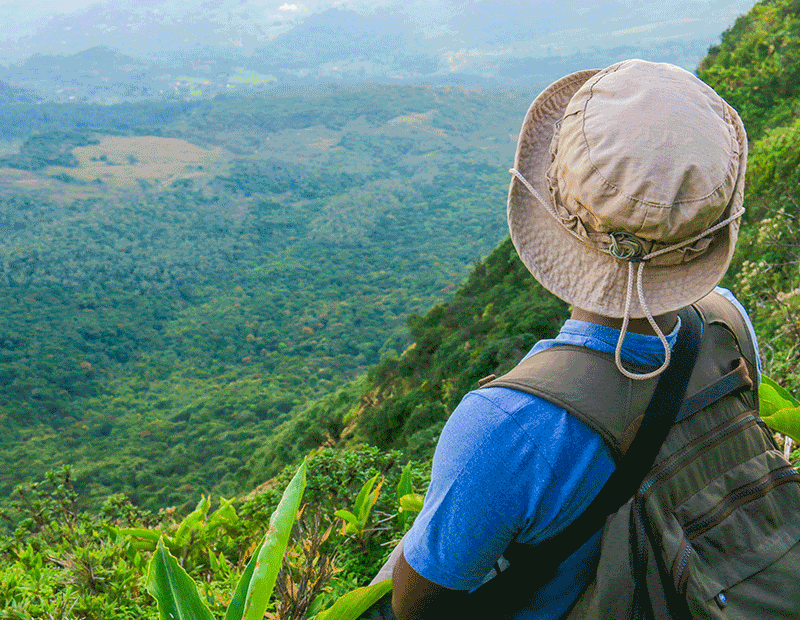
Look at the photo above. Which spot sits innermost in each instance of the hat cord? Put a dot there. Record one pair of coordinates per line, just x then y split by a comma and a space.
650, 319
639, 277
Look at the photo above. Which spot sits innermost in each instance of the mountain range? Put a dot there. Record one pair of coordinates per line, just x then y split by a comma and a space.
132, 50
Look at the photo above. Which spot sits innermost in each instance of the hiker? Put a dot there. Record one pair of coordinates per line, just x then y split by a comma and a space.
625, 202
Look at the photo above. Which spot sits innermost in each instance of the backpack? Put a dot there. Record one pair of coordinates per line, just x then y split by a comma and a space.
713, 531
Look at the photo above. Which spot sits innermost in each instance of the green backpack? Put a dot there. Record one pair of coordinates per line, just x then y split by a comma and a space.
713, 530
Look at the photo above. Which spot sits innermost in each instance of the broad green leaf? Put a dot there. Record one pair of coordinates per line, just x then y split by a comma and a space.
193, 521
350, 521
346, 515
786, 421
173, 589
271, 553
224, 567
214, 562
772, 398
404, 486
783, 392
355, 603
142, 539
235, 609
370, 503
412, 502
362, 495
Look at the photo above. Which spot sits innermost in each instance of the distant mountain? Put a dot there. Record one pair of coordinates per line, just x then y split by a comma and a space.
389, 40
11, 94
435, 27
104, 75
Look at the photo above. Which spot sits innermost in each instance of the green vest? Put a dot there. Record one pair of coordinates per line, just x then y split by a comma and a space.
714, 529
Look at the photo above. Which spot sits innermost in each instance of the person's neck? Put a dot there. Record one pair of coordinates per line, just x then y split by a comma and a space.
666, 322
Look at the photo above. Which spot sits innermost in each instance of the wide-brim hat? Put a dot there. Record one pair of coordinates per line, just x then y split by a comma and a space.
620, 165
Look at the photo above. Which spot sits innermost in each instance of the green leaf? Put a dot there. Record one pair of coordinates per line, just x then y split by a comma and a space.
193, 521
351, 522
214, 563
786, 421
362, 495
772, 398
404, 486
142, 539
346, 515
371, 499
173, 589
412, 502
355, 603
271, 553
224, 517
235, 609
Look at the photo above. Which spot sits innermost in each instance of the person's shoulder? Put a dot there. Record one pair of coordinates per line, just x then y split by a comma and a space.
490, 412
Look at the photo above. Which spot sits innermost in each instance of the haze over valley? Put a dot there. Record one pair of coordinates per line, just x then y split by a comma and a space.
115, 51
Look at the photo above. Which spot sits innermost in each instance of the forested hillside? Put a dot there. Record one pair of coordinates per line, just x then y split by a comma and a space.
757, 69
171, 293
205, 378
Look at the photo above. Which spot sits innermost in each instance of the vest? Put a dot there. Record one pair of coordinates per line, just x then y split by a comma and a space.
714, 529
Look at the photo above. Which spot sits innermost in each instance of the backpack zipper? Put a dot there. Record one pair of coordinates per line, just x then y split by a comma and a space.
680, 575
738, 497
693, 450
662, 472
700, 525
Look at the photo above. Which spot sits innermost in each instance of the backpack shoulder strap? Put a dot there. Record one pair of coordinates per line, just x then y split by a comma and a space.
716, 309
596, 392
657, 420
729, 357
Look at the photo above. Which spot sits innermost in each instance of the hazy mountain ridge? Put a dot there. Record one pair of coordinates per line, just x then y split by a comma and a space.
115, 78
11, 94
200, 52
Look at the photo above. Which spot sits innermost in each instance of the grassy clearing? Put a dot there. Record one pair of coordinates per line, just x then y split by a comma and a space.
126, 159
120, 164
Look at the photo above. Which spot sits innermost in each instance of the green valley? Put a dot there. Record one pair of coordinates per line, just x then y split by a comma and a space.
174, 293
195, 305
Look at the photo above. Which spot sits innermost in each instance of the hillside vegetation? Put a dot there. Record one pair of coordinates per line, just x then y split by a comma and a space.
756, 69
184, 412
173, 293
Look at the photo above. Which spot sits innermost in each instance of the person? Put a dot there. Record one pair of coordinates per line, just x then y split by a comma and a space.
625, 202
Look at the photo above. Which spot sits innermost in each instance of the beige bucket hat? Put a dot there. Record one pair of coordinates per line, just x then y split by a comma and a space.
630, 173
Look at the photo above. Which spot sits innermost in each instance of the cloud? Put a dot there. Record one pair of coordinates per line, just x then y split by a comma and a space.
294, 8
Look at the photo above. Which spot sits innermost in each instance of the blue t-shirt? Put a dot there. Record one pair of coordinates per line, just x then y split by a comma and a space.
510, 465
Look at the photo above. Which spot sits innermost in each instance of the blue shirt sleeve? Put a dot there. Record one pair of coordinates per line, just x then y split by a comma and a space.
508, 466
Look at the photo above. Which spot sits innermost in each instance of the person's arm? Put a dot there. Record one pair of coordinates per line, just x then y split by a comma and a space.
506, 462
416, 598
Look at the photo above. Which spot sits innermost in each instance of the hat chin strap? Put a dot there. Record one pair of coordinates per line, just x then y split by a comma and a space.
650, 319
639, 277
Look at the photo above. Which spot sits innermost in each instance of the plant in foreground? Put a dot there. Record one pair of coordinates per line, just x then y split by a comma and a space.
176, 592
780, 411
